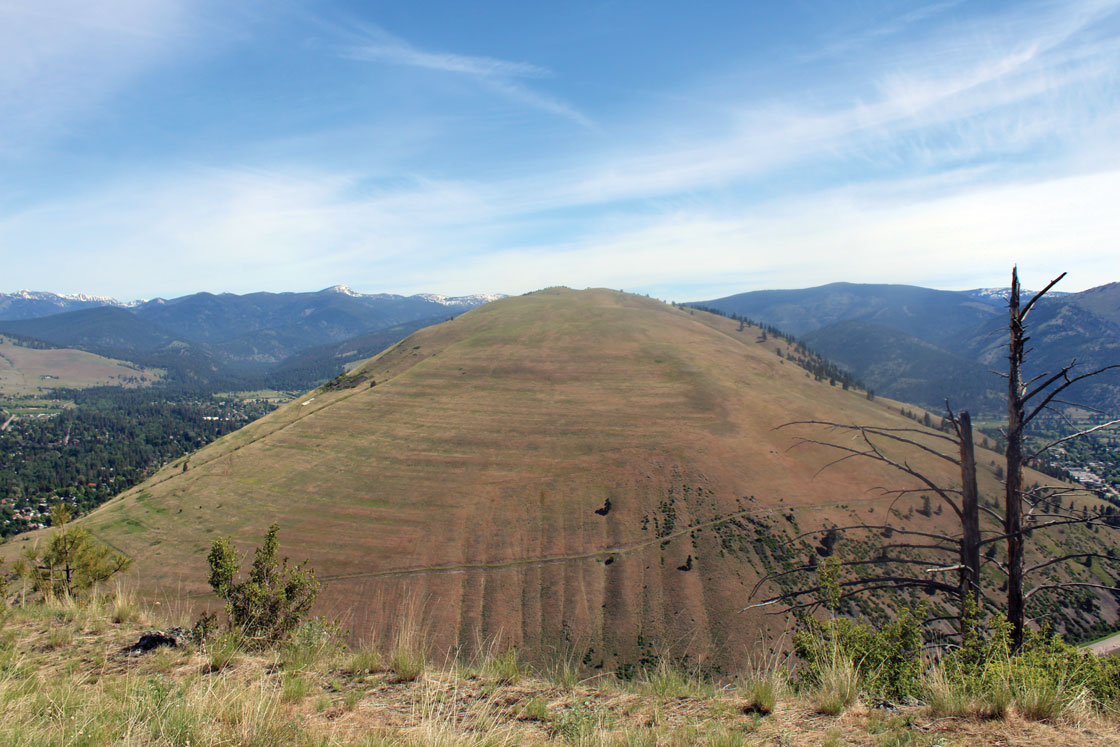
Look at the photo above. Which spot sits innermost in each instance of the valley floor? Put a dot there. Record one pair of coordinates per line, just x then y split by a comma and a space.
65, 679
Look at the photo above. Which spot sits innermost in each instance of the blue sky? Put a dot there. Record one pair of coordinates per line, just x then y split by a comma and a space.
161, 147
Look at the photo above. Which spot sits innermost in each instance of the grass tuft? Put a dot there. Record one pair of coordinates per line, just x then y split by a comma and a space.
124, 607
504, 669
365, 660
668, 681
407, 664
60, 637
294, 688
838, 688
224, 650
761, 692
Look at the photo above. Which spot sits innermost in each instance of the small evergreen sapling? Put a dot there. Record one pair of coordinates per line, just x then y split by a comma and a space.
73, 562
267, 606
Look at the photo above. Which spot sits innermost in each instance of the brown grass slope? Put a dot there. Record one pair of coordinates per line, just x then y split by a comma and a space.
25, 370
462, 489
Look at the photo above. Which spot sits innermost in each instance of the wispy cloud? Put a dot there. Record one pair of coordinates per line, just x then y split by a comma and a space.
501, 76
847, 39
60, 59
943, 106
382, 46
975, 147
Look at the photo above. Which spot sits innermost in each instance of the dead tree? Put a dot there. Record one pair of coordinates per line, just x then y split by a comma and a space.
937, 552
1026, 399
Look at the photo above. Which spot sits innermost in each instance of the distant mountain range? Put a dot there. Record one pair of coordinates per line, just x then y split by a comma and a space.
925, 346
915, 344
206, 335
27, 304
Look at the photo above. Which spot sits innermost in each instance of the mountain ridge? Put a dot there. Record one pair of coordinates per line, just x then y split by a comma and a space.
968, 329
207, 335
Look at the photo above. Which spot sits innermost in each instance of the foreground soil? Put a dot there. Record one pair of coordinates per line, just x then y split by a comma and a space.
65, 678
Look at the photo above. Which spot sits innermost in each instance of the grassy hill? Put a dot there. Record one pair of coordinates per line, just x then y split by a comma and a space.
589, 471
29, 370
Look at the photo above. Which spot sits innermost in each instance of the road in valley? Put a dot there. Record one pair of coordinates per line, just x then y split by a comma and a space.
1107, 646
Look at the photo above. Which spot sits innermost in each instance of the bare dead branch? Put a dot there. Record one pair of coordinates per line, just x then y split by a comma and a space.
846, 564
874, 453
1065, 385
1079, 434
909, 546
1063, 373
1026, 309
1071, 584
944, 569
1071, 556
871, 584
876, 429
1097, 519
996, 563
873, 527
994, 514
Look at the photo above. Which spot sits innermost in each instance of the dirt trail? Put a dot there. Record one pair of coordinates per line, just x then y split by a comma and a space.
619, 549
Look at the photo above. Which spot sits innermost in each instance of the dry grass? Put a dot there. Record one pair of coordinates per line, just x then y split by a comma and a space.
838, 688
87, 692
22, 369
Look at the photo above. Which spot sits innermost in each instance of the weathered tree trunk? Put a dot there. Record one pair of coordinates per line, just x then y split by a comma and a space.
1013, 496
970, 515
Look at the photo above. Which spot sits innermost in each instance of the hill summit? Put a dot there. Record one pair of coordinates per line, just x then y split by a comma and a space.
581, 470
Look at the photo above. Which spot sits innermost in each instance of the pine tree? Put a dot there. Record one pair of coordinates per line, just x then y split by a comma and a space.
73, 562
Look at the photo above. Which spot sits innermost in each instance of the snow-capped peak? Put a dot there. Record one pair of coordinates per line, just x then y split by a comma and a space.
344, 290
474, 300
76, 297
1002, 294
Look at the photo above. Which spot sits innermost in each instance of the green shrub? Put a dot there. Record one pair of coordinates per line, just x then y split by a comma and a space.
886, 661
269, 605
1046, 680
